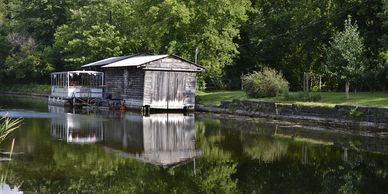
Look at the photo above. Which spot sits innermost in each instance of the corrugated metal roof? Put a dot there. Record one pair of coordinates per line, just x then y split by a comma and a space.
107, 61
136, 61
78, 72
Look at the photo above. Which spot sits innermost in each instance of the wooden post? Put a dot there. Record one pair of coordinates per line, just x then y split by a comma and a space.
347, 86
241, 80
345, 155
306, 82
196, 55
146, 110
304, 154
168, 89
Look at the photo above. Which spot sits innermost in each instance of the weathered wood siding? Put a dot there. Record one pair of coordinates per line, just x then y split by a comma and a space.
169, 89
114, 82
168, 138
126, 84
126, 134
133, 87
168, 133
189, 93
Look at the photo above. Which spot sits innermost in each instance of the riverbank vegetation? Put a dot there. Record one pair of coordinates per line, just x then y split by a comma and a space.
8, 125
26, 88
374, 99
234, 38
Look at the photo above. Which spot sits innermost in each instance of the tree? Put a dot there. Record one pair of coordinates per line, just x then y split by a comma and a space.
169, 26
94, 32
345, 56
26, 60
291, 36
384, 38
41, 18
287, 36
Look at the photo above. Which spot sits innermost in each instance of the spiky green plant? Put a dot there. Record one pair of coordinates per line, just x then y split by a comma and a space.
7, 125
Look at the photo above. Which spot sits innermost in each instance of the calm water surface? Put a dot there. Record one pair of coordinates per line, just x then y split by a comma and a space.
61, 151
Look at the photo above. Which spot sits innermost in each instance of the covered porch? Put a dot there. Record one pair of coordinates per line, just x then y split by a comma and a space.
77, 84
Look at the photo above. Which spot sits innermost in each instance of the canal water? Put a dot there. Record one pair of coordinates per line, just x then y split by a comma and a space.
65, 151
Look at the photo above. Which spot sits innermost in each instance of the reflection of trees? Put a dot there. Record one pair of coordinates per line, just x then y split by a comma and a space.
233, 161
55, 167
341, 179
216, 168
26, 103
361, 173
264, 148
208, 143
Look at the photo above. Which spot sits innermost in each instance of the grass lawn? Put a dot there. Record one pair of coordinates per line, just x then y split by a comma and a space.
376, 99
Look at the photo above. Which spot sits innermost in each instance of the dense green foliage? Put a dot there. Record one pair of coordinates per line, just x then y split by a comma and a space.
265, 83
292, 36
233, 37
26, 88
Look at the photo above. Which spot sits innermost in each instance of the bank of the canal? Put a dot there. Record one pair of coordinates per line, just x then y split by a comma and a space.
361, 117
349, 116
109, 152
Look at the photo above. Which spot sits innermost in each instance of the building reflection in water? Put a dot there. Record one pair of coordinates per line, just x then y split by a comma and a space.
77, 129
161, 139
6, 189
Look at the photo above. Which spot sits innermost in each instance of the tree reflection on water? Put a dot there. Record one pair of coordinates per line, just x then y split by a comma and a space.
233, 157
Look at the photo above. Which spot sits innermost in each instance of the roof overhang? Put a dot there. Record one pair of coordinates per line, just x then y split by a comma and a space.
107, 61
136, 61
76, 72
142, 61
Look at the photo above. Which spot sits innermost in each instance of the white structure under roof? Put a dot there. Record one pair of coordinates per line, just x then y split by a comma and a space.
135, 61
75, 84
78, 129
6, 189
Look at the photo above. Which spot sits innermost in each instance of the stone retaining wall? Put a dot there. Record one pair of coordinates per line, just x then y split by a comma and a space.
339, 115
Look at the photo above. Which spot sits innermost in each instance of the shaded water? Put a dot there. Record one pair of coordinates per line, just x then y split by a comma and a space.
62, 152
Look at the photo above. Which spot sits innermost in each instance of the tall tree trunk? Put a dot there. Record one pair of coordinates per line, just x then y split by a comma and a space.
347, 88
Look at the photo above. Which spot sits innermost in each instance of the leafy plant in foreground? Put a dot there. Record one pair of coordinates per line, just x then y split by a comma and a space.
7, 125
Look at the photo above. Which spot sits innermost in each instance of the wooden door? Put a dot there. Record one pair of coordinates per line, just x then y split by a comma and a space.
167, 90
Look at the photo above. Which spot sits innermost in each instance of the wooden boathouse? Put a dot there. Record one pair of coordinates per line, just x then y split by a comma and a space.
151, 81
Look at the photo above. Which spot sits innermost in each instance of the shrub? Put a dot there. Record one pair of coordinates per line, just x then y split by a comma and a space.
266, 83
